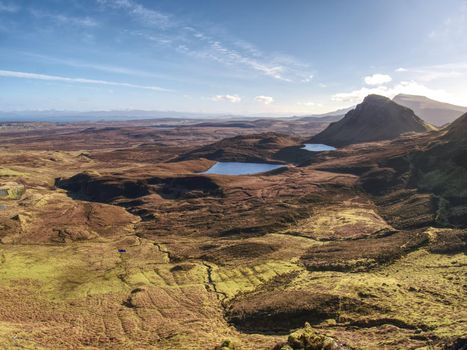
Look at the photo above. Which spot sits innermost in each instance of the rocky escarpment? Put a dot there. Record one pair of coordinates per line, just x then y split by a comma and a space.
109, 188
427, 185
441, 169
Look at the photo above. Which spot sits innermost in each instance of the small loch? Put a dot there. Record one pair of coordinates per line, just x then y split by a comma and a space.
318, 147
240, 168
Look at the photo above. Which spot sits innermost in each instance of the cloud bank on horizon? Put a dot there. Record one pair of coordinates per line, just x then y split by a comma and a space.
235, 57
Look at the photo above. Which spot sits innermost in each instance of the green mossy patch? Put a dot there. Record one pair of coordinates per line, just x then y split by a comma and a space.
7, 172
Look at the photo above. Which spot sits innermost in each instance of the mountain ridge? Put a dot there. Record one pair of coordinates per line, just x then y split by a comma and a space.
377, 118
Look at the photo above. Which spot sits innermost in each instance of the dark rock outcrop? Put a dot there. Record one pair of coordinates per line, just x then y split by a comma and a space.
109, 188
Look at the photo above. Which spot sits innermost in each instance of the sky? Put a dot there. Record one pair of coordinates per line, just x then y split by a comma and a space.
224, 56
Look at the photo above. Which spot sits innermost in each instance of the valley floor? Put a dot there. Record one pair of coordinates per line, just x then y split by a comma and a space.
249, 261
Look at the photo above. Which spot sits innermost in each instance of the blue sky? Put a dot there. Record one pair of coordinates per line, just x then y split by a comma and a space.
242, 56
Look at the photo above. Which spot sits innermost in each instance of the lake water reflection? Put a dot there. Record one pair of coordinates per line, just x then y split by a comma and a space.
318, 147
240, 168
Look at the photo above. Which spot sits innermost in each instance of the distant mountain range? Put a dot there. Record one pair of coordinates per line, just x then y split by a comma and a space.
377, 118
122, 115
117, 115
431, 111
329, 117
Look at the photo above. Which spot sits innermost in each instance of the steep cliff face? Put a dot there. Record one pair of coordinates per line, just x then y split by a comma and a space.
441, 168
426, 185
377, 118
457, 131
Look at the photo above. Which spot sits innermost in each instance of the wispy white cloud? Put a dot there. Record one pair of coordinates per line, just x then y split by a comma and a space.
248, 47
451, 28
267, 100
308, 78
426, 76
435, 72
198, 43
442, 82
145, 15
449, 36
226, 98
404, 87
8, 7
310, 104
63, 19
210, 48
95, 66
35, 76
230, 56
377, 79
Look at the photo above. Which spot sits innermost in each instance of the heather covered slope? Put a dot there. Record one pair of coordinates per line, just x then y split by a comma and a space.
249, 148
431, 111
457, 131
265, 147
417, 180
377, 118
441, 169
